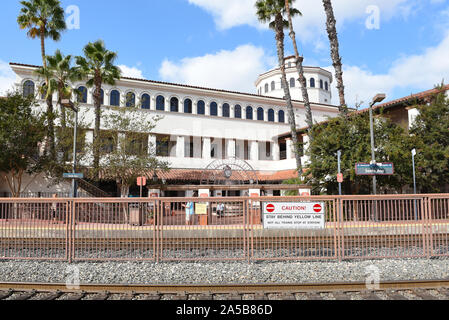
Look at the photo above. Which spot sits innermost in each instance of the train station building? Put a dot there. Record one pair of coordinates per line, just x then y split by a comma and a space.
207, 130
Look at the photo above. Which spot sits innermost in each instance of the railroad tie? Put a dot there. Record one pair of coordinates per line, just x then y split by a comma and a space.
206, 296
423, 294
101, 296
369, 295
180, 296
394, 295
52, 295
25, 295
235, 296
76, 296
444, 292
153, 296
314, 296
5, 294
340, 295
289, 296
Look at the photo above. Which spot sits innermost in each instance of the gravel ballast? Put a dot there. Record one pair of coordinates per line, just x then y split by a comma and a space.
223, 272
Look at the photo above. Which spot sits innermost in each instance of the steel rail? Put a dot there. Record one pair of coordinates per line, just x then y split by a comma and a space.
223, 289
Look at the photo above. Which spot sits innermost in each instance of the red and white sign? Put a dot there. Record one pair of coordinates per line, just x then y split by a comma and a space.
141, 181
294, 215
340, 177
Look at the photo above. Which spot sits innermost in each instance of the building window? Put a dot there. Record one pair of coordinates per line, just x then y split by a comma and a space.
268, 149
28, 88
260, 115
107, 142
115, 98
82, 95
282, 84
101, 97
312, 82
162, 143
188, 149
266, 87
146, 101
271, 115
130, 100
201, 107
249, 113
281, 116
226, 110
326, 86
136, 144
213, 109
238, 111
174, 105
213, 151
187, 106
321, 84
160, 103
292, 82
273, 86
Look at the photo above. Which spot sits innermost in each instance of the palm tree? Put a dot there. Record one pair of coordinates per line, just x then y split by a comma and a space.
335, 54
272, 12
60, 74
291, 12
97, 67
44, 19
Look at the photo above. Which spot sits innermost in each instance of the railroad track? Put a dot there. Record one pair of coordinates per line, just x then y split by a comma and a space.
402, 290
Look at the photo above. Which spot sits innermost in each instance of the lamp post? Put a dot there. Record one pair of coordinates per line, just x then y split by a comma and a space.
66, 103
378, 98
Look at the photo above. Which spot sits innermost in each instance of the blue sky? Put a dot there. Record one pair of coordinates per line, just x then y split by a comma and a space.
220, 43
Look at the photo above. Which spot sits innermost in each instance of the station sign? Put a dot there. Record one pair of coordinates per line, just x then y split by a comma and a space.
378, 169
73, 176
294, 215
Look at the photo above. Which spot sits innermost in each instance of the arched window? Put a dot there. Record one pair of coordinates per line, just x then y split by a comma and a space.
201, 107
249, 113
260, 114
226, 110
321, 84
281, 116
174, 104
271, 115
82, 94
160, 103
273, 86
43, 91
266, 87
28, 88
238, 111
213, 109
187, 106
101, 96
115, 98
292, 82
130, 100
312, 82
326, 86
146, 101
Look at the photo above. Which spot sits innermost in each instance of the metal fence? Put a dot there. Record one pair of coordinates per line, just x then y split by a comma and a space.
221, 229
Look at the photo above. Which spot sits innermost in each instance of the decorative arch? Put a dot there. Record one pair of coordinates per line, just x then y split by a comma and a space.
213, 108
114, 98
174, 104
249, 113
146, 101
229, 172
201, 107
82, 94
28, 88
260, 114
226, 112
130, 99
160, 103
271, 115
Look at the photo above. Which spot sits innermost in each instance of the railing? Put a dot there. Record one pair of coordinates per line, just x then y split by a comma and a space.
221, 229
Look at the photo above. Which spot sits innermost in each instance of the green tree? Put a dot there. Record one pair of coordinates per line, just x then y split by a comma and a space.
125, 149
44, 19
430, 134
97, 67
21, 132
299, 67
272, 12
335, 54
352, 137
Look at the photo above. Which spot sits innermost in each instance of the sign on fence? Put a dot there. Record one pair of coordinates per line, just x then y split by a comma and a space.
294, 215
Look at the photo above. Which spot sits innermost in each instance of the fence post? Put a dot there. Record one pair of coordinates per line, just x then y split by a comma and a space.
429, 227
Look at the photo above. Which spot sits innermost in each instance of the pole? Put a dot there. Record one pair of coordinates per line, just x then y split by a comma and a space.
414, 181
75, 132
339, 170
373, 156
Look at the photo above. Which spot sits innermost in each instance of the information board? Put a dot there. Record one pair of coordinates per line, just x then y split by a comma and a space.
378, 169
294, 215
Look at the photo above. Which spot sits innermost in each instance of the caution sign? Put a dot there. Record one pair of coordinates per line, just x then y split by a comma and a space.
294, 215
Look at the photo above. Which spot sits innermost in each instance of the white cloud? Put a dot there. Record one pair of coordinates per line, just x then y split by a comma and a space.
230, 70
7, 78
416, 72
231, 13
131, 72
